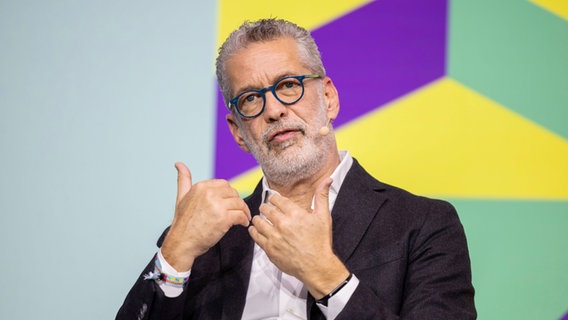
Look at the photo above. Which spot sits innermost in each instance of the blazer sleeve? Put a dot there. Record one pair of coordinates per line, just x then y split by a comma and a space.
146, 301
437, 282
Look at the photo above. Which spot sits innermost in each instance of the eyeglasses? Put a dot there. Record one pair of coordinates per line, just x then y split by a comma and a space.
288, 90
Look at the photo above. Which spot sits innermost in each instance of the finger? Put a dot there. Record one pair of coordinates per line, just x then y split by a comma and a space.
262, 225
270, 212
183, 181
220, 187
321, 198
257, 237
239, 217
247, 212
282, 203
238, 204
239, 213
227, 192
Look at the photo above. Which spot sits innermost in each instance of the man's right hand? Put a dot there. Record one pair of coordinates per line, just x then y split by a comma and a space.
204, 213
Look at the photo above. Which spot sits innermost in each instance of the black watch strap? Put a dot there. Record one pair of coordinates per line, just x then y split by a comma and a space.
334, 291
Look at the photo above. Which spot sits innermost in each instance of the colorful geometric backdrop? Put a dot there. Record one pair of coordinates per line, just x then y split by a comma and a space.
463, 100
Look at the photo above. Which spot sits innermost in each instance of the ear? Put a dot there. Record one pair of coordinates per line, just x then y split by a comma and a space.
236, 132
331, 98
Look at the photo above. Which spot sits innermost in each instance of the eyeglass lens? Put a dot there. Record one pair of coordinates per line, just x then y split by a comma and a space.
286, 90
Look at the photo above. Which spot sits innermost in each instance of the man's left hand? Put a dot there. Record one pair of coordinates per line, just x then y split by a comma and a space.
299, 242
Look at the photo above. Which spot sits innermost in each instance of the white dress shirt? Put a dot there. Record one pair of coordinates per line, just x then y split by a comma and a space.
273, 294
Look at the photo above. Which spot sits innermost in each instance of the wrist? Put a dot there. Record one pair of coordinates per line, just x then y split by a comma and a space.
333, 292
180, 261
325, 280
159, 275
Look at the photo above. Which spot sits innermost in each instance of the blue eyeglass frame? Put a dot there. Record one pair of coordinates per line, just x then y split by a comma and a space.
272, 88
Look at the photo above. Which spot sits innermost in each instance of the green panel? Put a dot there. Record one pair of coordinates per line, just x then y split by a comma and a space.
519, 257
515, 53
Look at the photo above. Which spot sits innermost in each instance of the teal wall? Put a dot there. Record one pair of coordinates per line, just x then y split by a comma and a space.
98, 99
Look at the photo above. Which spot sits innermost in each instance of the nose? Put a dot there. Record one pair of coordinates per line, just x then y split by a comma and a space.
273, 108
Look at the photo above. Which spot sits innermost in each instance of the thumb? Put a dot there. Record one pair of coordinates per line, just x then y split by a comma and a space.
183, 181
321, 199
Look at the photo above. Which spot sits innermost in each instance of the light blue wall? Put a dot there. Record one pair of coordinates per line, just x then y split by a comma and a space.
98, 99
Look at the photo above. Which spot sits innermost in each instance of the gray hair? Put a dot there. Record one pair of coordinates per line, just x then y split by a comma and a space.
266, 30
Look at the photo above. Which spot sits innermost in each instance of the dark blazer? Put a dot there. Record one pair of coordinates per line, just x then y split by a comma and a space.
409, 253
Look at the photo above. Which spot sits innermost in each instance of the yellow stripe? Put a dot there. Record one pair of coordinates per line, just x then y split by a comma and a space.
558, 7
308, 14
447, 140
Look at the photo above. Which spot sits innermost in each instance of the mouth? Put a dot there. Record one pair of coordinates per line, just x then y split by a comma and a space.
284, 135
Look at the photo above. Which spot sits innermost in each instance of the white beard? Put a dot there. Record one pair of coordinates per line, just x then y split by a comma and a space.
292, 160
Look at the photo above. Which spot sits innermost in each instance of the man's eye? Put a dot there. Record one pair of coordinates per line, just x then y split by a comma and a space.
289, 84
249, 98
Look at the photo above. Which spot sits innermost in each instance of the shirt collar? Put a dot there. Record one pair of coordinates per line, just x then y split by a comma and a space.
338, 175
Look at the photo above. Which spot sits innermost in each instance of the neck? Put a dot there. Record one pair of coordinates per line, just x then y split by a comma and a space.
301, 192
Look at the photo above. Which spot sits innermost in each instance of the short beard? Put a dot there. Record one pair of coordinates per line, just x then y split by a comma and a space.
285, 167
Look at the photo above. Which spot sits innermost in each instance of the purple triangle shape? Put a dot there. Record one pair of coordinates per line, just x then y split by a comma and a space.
383, 51
374, 55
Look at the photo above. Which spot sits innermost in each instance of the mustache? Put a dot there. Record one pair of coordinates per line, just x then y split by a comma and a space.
281, 126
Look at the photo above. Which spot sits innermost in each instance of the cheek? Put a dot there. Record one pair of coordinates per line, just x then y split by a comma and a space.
251, 133
317, 115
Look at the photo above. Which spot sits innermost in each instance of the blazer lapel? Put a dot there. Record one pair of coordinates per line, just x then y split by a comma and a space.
357, 204
236, 249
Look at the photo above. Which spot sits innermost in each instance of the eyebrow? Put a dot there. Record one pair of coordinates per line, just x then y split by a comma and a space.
274, 79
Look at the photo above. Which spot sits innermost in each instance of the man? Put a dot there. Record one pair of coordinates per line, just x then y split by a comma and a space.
382, 253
